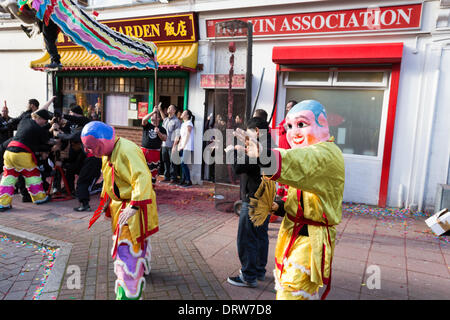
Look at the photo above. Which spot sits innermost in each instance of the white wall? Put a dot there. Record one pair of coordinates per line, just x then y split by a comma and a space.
410, 170
19, 82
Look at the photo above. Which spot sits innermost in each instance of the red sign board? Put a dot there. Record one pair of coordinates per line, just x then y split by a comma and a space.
365, 19
142, 109
162, 29
221, 81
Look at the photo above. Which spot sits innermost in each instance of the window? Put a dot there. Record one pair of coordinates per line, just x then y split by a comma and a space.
122, 97
354, 101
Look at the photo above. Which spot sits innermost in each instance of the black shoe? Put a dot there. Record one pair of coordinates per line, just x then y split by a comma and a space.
173, 181
188, 184
27, 30
83, 208
54, 65
3, 209
239, 282
166, 180
181, 183
26, 199
44, 201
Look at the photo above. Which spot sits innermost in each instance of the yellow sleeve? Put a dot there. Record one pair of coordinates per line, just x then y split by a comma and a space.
139, 176
315, 169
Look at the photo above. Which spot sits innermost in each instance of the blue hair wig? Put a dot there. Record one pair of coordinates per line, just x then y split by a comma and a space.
312, 105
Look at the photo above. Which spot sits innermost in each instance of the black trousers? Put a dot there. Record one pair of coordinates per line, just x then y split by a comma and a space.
89, 174
50, 33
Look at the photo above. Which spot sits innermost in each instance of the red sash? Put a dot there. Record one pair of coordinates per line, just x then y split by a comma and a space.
24, 147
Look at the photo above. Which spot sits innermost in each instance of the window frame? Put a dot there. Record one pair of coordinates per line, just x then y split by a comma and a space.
333, 78
383, 86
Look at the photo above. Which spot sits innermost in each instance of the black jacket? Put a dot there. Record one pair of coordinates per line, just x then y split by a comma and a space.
32, 135
250, 171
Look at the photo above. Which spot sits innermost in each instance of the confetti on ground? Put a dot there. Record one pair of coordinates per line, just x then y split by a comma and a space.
48, 254
392, 216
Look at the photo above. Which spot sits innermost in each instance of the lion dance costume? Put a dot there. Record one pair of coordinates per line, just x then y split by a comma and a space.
126, 182
314, 171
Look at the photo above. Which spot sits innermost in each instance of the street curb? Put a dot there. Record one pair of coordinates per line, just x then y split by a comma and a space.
53, 283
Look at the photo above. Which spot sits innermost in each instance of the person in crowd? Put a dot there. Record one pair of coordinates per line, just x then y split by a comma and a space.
261, 113
282, 141
238, 122
252, 242
153, 135
79, 162
129, 199
45, 166
209, 147
186, 147
6, 131
92, 113
170, 123
282, 189
20, 159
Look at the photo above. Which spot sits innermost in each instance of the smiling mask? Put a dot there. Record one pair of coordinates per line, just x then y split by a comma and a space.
306, 124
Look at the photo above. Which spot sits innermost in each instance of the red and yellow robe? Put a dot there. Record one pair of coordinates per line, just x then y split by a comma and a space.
317, 173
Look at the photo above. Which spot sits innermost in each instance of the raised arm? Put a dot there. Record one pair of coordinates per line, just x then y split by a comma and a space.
161, 111
48, 103
148, 116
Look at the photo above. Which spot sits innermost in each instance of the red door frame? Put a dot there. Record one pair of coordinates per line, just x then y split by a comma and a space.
352, 54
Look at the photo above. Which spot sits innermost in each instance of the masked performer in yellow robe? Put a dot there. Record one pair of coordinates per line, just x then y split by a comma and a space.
314, 171
129, 200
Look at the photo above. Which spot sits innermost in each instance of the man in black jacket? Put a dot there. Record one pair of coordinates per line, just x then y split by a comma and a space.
252, 242
85, 165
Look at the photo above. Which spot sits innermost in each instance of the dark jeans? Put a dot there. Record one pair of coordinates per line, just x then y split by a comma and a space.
252, 245
186, 157
170, 169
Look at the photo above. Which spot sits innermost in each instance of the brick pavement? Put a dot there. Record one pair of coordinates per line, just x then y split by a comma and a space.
22, 269
195, 251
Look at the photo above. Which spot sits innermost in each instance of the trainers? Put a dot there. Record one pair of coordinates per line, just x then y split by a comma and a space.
82, 208
188, 184
239, 282
259, 278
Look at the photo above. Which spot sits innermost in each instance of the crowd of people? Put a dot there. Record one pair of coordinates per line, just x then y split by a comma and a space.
46, 145
80, 150
54, 143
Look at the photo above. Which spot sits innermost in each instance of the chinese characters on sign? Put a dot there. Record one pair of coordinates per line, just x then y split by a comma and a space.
176, 28
142, 109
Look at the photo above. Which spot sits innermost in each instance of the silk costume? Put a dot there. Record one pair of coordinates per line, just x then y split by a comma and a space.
317, 174
127, 182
